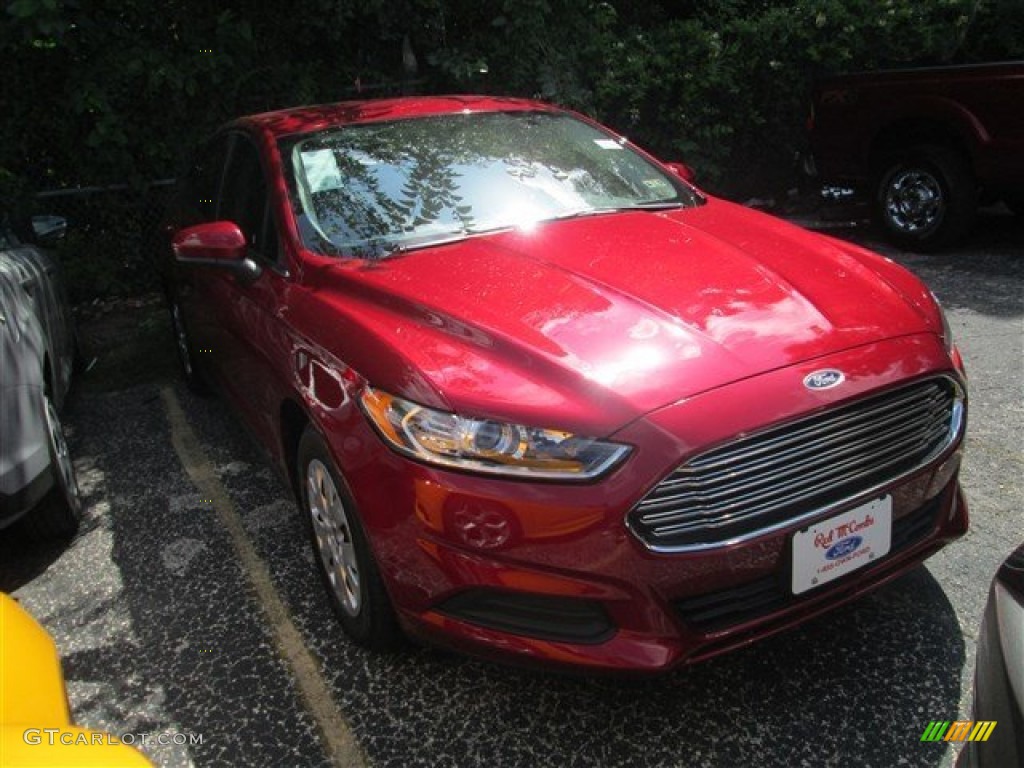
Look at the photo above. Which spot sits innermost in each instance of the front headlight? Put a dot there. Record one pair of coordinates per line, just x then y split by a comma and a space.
483, 445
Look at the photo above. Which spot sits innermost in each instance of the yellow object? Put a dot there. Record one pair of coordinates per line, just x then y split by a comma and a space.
35, 723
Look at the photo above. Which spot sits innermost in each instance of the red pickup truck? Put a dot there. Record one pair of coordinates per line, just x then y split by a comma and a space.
924, 145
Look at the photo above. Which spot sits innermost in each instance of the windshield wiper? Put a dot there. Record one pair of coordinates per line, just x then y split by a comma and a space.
656, 206
446, 239
399, 249
427, 242
664, 205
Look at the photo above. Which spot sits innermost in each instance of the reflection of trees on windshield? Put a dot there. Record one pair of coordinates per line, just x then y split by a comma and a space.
367, 189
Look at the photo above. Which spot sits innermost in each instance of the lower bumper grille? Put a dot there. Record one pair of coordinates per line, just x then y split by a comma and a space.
737, 605
561, 619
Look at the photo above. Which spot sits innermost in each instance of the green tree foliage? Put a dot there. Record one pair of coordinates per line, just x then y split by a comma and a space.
98, 92
725, 85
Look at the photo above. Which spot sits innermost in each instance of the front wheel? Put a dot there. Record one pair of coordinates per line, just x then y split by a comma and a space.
183, 343
343, 555
926, 198
60, 512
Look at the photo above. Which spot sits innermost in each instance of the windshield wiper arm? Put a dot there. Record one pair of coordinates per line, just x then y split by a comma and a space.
657, 206
663, 205
428, 242
399, 249
447, 239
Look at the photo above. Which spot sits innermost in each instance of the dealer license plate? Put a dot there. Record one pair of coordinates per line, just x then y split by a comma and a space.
834, 547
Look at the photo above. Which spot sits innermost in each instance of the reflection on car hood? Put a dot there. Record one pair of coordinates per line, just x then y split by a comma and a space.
629, 311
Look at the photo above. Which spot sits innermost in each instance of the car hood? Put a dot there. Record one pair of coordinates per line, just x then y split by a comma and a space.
600, 319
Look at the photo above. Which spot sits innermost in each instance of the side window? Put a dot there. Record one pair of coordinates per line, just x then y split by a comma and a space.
245, 200
204, 179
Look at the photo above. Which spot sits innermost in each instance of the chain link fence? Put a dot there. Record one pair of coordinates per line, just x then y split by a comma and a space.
111, 239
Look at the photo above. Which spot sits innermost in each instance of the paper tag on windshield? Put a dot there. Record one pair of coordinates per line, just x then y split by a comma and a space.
658, 185
321, 168
607, 144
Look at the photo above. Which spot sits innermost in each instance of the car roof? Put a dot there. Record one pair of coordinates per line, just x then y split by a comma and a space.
300, 120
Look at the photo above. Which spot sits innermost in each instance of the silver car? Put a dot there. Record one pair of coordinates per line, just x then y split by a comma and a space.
999, 676
37, 352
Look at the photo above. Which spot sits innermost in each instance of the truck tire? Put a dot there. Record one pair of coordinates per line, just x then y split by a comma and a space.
926, 198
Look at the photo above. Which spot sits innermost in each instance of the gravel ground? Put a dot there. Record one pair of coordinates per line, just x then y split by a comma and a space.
161, 631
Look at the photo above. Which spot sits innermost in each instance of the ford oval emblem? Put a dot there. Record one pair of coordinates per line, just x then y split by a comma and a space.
843, 547
826, 379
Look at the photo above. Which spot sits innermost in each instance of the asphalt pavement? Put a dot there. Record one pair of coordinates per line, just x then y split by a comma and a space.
189, 616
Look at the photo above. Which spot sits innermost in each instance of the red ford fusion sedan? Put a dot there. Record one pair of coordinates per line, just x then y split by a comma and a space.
541, 399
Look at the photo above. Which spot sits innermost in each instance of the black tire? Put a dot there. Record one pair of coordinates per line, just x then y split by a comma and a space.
190, 371
349, 572
59, 514
926, 198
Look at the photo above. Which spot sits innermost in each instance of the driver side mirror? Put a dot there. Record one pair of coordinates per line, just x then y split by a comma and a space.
218, 244
683, 171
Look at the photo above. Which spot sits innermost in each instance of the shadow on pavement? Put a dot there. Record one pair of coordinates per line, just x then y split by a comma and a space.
158, 630
22, 560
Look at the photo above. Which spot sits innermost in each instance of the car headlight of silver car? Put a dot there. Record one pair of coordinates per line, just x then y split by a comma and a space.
485, 445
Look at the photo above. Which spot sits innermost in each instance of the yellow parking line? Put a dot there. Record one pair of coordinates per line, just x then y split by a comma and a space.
336, 734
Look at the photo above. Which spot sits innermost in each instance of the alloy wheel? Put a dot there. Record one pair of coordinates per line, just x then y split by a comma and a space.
914, 201
333, 537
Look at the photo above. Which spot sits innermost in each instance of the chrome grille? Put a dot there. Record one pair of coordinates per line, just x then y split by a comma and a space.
785, 472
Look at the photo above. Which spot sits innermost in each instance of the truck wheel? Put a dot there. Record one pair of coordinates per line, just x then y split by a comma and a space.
58, 515
926, 198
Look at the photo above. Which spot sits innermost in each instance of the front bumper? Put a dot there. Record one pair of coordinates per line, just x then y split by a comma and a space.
648, 629
550, 573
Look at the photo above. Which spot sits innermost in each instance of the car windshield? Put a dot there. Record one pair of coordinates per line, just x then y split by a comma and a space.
374, 189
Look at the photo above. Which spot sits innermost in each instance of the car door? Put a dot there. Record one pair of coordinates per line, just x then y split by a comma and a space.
249, 343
